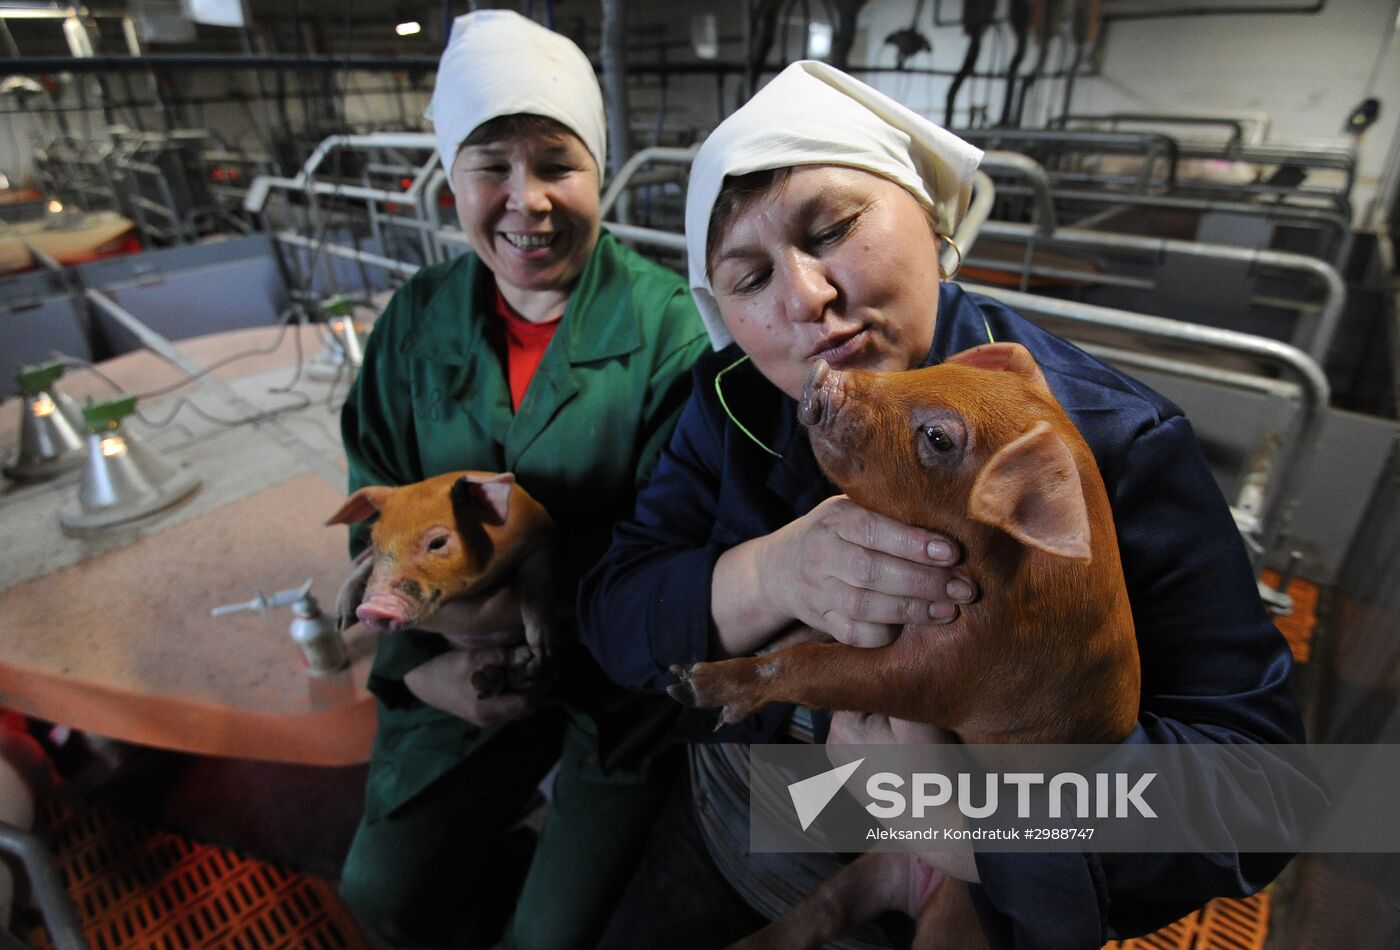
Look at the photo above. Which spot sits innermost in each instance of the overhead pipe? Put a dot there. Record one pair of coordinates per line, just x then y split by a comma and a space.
37, 65
31, 65
1162, 14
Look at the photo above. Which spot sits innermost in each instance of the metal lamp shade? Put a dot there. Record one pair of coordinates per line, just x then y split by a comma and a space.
50, 442
342, 352
121, 483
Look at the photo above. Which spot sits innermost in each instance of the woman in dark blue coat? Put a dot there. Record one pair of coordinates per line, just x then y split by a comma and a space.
815, 218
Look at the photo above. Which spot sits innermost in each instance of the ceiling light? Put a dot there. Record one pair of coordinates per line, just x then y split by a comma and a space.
408, 29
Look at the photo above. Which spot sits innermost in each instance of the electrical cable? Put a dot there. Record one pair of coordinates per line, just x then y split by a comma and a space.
301, 357
284, 321
301, 403
331, 405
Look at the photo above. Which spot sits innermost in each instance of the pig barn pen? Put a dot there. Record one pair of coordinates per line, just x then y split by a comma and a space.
210, 801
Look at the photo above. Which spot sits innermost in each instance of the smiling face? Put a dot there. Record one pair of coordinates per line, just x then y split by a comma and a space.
530, 207
836, 264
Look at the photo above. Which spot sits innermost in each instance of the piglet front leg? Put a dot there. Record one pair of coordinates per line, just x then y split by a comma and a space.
907, 679
737, 687
534, 580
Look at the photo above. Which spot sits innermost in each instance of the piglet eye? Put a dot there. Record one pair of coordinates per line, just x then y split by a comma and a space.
437, 544
938, 438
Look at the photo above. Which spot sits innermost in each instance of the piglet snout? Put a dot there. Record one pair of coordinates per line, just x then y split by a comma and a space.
382, 614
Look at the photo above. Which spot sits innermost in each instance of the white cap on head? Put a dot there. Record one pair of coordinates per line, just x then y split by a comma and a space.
814, 114
500, 63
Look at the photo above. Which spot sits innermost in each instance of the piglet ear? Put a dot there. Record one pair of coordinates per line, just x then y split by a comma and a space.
1031, 490
361, 505
1003, 357
482, 498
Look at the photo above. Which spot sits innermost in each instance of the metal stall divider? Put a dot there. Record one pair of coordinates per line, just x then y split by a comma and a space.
377, 202
1153, 163
1270, 487
1245, 145
1220, 221
1313, 332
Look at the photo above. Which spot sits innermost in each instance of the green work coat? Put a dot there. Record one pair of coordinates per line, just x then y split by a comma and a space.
431, 397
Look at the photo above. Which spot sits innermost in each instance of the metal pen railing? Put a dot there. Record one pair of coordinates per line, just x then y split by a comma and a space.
1264, 512
1313, 333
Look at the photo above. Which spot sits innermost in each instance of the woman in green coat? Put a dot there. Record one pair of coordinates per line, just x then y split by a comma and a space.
555, 353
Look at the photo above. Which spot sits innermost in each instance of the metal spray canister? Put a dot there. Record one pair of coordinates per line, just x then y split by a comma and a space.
314, 633
318, 637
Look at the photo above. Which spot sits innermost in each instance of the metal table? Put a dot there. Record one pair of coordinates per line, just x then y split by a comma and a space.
112, 634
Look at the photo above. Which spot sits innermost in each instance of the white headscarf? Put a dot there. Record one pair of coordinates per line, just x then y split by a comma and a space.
814, 114
499, 63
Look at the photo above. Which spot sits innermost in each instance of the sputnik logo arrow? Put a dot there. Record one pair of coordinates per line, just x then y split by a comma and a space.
811, 795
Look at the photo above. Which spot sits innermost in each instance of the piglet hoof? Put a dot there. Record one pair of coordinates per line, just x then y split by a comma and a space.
490, 681
684, 691
716, 685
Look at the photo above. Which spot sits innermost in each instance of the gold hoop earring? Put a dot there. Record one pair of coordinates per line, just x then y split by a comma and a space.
949, 275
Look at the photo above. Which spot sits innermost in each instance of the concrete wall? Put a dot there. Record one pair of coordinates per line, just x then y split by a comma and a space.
1306, 71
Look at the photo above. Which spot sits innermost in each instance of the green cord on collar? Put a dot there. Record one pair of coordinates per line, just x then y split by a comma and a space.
725, 406
988, 327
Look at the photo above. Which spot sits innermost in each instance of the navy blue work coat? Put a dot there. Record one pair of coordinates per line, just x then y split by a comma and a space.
1214, 668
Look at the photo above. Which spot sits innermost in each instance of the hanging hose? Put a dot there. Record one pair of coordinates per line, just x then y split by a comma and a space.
908, 42
1088, 16
1019, 17
763, 25
1043, 21
844, 32
977, 16
613, 54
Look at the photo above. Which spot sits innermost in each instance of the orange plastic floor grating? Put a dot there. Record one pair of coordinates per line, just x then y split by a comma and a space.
1297, 627
136, 887
1220, 925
